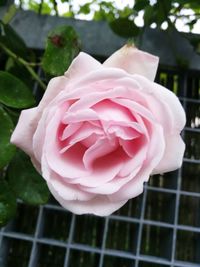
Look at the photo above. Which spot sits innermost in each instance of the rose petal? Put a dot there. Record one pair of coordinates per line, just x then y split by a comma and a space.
79, 116
134, 61
68, 191
55, 86
82, 65
23, 133
167, 98
154, 154
173, 155
112, 186
70, 130
101, 148
100, 205
86, 131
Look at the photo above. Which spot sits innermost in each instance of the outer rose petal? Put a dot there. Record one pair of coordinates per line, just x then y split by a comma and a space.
173, 156
99, 205
81, 65
134, 61
165, 97
55, 86
23, 133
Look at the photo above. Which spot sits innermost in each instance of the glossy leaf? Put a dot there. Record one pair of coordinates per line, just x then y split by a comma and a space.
12, 40
7, 150
125, 27
26, 181
7, 203
19, 71
13, 92
62, 46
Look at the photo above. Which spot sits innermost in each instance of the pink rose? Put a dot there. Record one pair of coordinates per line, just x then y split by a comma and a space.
101, 130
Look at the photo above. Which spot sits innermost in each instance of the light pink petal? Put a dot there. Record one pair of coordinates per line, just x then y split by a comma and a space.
136, 108
154, 154
112, 186
100, 205
125, 133
167, 99
79, 116
23, 133
39, 135
95, 83
70, 130
137, 160
68, 164
109, 110
131, 189
173, 155
104, 169
101, 148
55, 86
87, 134
68, 191
134, 61
82, 65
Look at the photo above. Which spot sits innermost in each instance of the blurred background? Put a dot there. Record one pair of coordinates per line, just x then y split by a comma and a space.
159, 228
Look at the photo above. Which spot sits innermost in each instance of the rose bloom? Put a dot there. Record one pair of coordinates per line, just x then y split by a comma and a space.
101, 130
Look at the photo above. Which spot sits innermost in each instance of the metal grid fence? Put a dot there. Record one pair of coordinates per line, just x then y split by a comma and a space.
159, 228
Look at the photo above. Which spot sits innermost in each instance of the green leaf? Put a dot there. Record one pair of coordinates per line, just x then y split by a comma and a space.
85, 9
62, 46
149, 15
9, 14
7, 203
162, 9
26, 181
13, 92
12, 40
19, 71
125, 12
7, 150
125, 27
140, 4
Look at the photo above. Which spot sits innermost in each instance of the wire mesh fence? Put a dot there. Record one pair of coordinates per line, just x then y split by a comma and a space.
159, 228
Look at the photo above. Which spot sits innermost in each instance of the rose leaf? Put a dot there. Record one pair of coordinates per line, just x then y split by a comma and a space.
10, 39
26, 181
7, 203
125, 27
62, 46
7, 150
13, 92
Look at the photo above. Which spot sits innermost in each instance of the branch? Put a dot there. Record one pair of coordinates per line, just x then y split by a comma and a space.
26, 64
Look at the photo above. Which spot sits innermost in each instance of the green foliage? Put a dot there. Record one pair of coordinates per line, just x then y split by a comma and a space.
12, 40
26, 182
13, 92
61, 47
124, 27
140, 4
19, 71
7, 150
45, 8
85, 9
9, 14
7, 203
